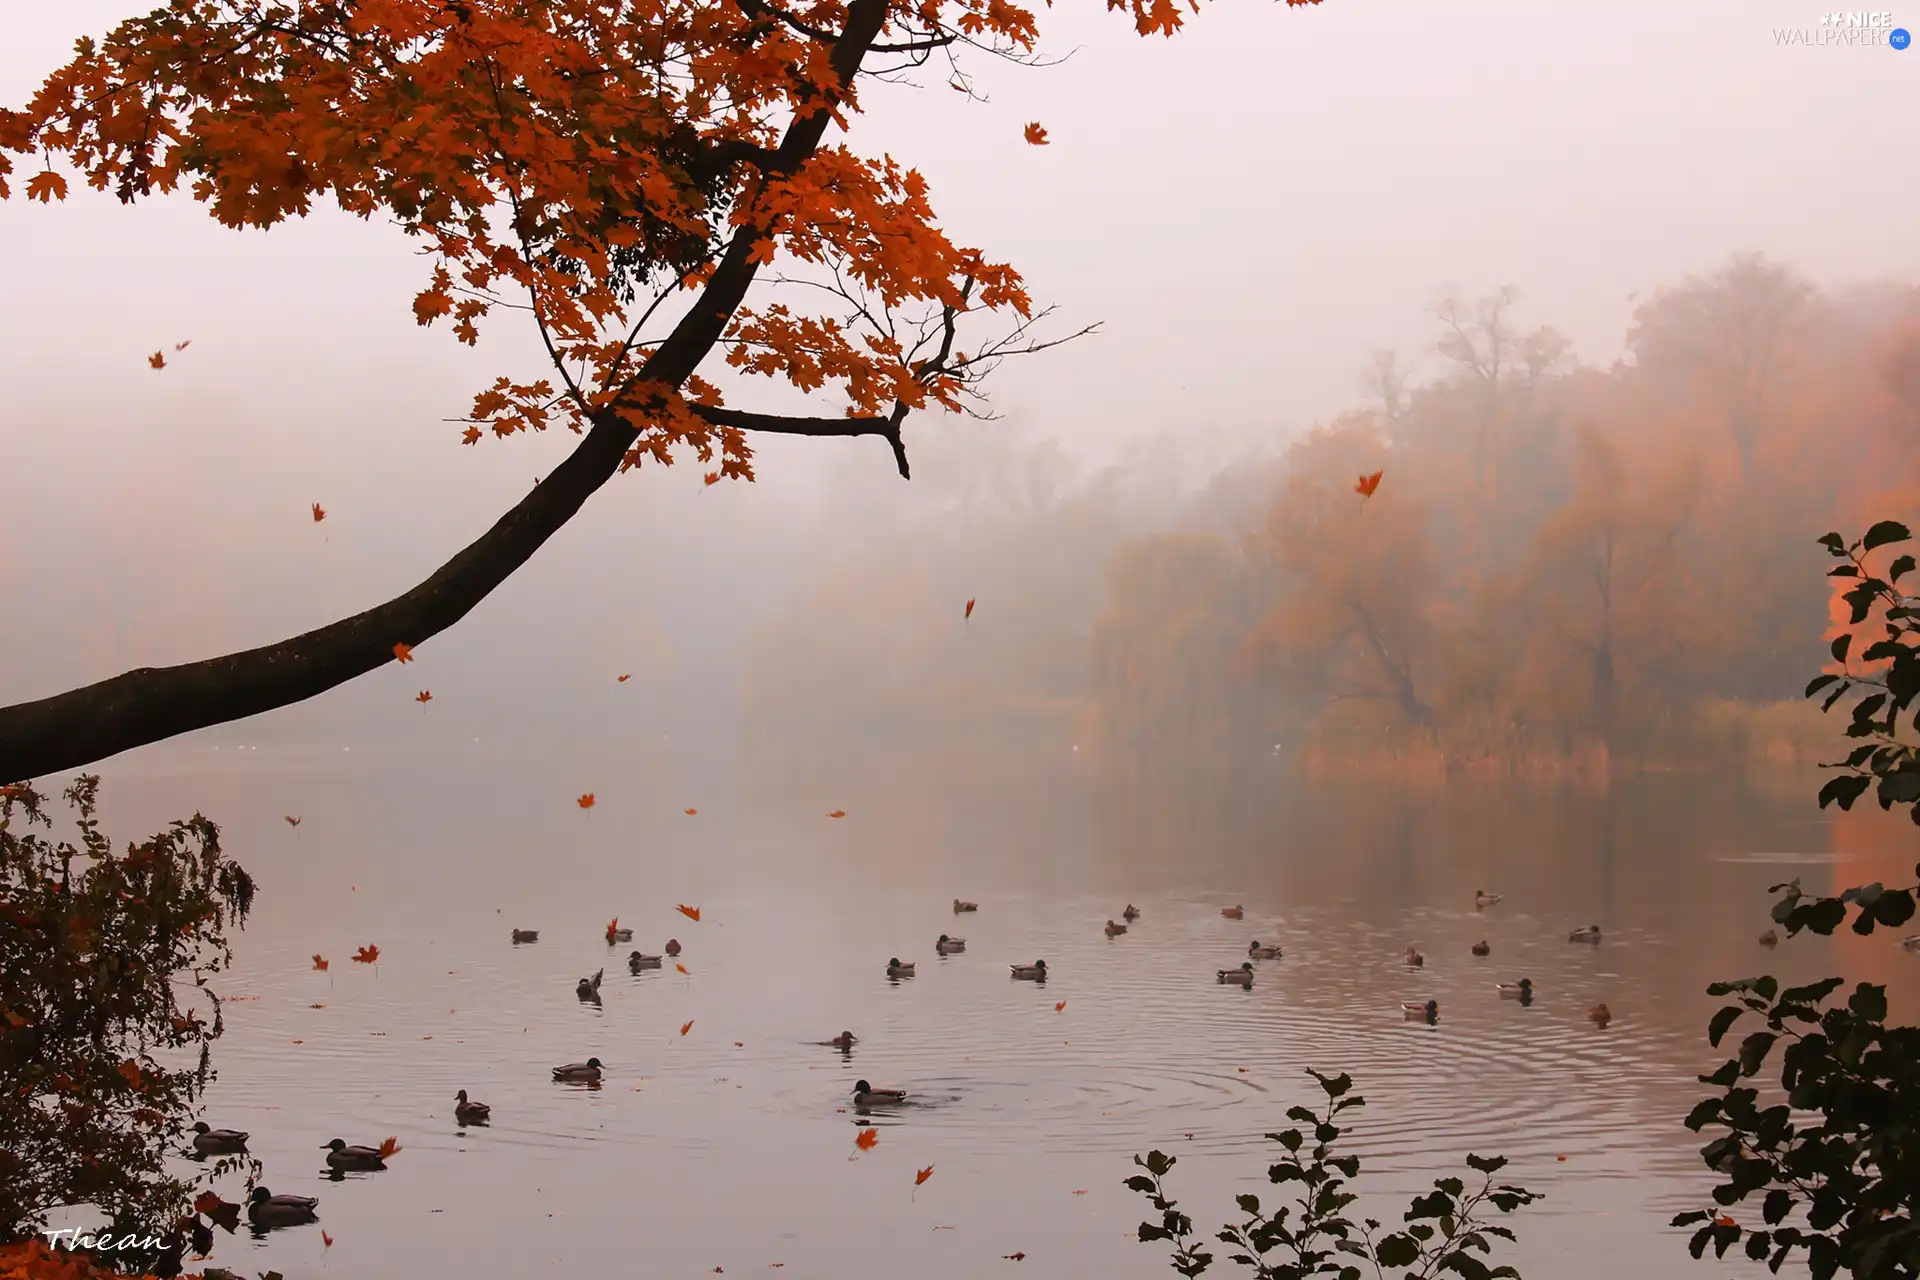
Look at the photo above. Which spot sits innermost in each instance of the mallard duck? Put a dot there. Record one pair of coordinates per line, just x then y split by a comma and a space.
342, 1156
1242, 976
1482, 899
959, 906
1600, 1015
1521, 990
865, 1095
1115, 930
950, 946
845, 1040
636, 962
1414, 958
1259, 952
1591, 933
895, 969
618, 933
1769, 939
1424, 1012
1131, 914
673, 947
264, 1209
470, 1112
1233, 913
588, 1070
1481, 948
1035, 972
526, 935
589, 988
217, 1142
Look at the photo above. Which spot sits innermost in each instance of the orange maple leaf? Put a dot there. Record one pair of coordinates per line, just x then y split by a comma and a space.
690, 813
319, 961
46, 187
470, 436
1036, 135
923, 1175
969, 613
712, 477
686, 1026
367, 954
326, 1241
585, 801
292, 821
130, 1070
425, 695
869, 1139
1367, 484
158, 360
389, 1146
319, 513
838, 813
1061, 1007
682, 968
613, 926
403, 652
691, 913
625, 678
1725, 1220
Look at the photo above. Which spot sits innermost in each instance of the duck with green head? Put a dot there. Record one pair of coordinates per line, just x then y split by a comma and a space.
1035, 972
865, 1095
264, 1209
1258, 952
1421, 1011
588, 1071
895, 969
948, 946
342, 1156
1521, 990
1243, 976
217, 1142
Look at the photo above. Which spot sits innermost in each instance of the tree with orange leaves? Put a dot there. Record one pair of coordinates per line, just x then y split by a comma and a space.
623, 172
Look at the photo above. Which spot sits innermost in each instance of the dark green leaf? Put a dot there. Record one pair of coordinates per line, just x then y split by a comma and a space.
1882, 533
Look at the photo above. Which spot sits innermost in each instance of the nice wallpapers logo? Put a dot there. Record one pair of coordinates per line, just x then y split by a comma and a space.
1870, 30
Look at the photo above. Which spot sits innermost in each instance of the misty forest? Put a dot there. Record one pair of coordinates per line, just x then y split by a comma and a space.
594, 681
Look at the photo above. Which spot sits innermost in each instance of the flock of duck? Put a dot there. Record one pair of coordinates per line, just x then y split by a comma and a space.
267, 1210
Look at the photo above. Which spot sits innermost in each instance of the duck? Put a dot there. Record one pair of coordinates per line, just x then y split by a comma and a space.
589, 988
1590, 933
588, 1071
342, 1156
1482, 899
217, 1142
1243, 976
865, 1095
895, 969
1115, 930
1769, 939
1259, 952
1131, 914
1600, 1015
525, 935
470, 1112
845, 1040
959, 906
1035, 972
1414, 958
1481, 948
1423, 1012
947, 946
264, 1209
1521, 990
636, 962
1233, 913
617, 934
673, 947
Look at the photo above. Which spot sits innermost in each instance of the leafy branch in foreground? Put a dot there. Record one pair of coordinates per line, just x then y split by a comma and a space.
1313, 1236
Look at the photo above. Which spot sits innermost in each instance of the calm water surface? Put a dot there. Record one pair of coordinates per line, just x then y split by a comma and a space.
732, 1146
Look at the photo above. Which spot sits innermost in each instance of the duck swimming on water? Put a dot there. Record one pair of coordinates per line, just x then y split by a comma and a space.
342, 1156
217, 1142
589, 988
1243, 976
264, 1209
1259, 952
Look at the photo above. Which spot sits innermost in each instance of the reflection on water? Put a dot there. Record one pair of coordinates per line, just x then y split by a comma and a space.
723, 1132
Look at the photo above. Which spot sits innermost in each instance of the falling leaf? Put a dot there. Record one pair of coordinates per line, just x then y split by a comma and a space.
690, 813
1561, 1159
922, 1176
423, 696
1061, 1007
388, 1147
1724, 1221
1015, 1257
838, 813
403, 652
969, 613
869, 1139
319, 513
625, 678
326, 1241
691, 913
585, 801
1035, 135
712, 477
292, 821
157, 360
182, 346
367, 954
46, 187
1367, 484
686, 1026
682, 968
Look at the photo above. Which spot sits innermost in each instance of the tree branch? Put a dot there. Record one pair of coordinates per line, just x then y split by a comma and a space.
776, 424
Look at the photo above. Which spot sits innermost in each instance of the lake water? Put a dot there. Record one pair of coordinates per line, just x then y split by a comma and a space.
732, 1146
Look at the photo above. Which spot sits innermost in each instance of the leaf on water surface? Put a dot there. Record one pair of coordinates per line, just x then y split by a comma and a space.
326, 1241
682, 968
623, 679
320, 962
691, 812
1015, 1257
158, 360
838, 813
922, 1175
868, 1139
969, 613
425, 695
367, 954
319, 513
585, 801
292, 821
1061, 1007
389, 1146
691, 913
1367, 484
686, 1026
1035, 135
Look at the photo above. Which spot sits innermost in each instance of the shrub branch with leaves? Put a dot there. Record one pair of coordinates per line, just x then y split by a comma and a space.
106, 1021
1445, 1229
